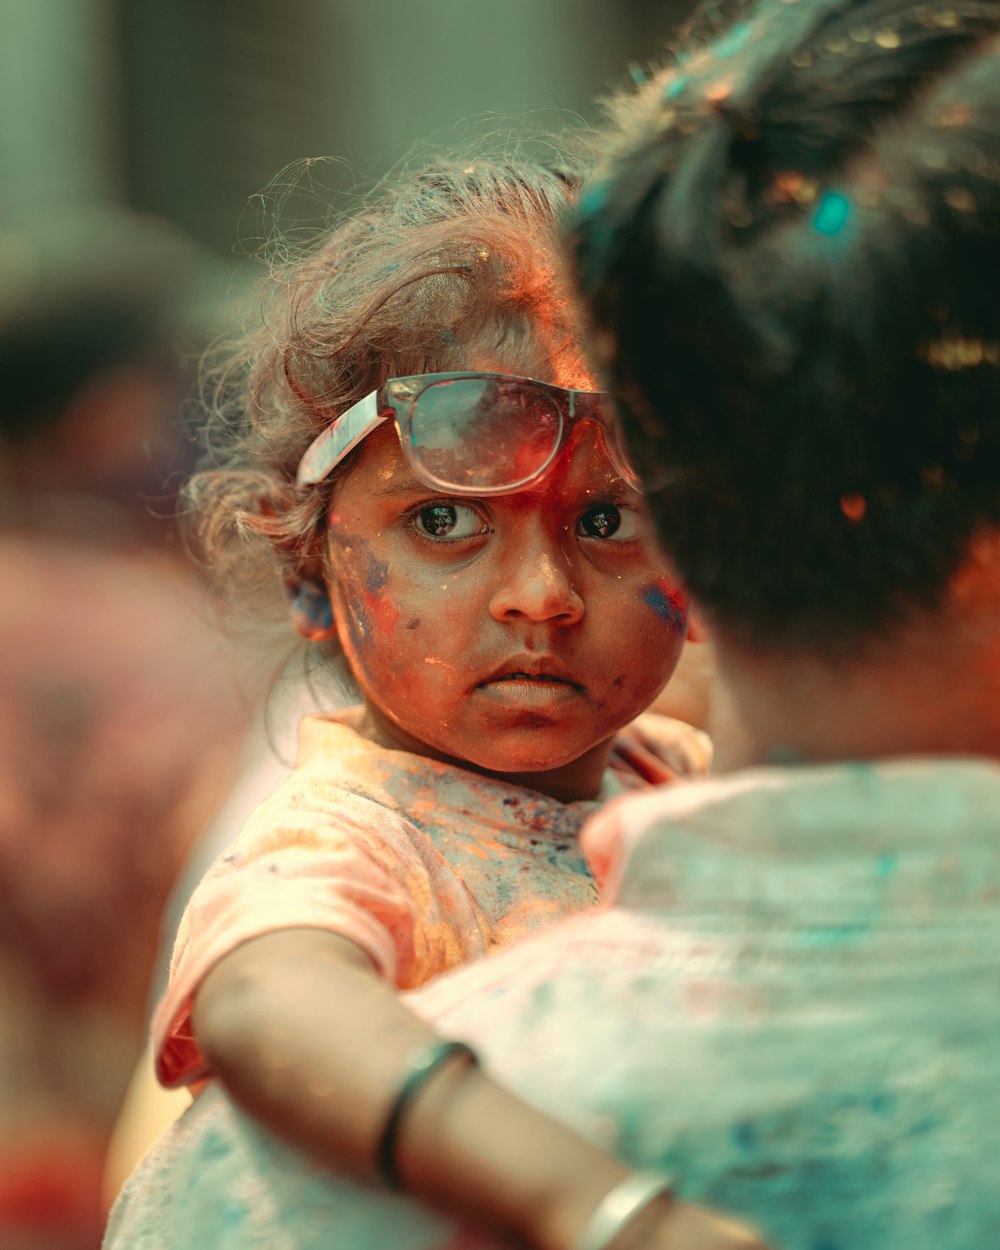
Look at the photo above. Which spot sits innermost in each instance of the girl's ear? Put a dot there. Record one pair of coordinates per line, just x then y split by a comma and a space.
696, 630
310, 608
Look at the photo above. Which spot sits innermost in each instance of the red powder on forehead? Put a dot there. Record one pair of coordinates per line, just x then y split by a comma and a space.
539, 292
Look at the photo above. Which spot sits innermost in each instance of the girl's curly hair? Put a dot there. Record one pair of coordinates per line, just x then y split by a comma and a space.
454, 257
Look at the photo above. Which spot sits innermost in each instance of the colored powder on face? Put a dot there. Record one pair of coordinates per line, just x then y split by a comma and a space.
381, 612
358, 626
383, 615
667, 602
378, 574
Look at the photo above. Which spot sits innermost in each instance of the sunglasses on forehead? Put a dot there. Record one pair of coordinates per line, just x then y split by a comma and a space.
470, 433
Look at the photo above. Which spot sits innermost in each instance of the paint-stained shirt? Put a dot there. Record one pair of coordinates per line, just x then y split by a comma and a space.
424, 865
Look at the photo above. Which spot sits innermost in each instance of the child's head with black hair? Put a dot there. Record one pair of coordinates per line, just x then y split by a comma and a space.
790, 256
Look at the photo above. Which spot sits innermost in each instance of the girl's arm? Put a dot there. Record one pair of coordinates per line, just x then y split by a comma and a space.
312, 1042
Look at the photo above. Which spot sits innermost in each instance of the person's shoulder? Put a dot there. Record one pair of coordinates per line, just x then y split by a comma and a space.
335, 778
331, 739
334, 755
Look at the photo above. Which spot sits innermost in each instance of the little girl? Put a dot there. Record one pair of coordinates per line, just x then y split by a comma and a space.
418, 455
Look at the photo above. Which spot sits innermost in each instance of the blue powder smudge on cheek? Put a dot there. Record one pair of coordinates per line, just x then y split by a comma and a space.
378, 574
359, 628
666, 609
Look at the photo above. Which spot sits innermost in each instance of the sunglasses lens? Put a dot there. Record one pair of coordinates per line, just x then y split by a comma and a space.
483, 434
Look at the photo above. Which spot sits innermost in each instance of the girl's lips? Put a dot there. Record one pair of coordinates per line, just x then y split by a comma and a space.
532, 668
527, 690
534, 677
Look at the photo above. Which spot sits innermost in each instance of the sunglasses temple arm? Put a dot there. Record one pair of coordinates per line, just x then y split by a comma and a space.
337, 440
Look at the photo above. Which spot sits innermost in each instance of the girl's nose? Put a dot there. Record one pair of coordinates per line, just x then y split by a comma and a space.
536, 586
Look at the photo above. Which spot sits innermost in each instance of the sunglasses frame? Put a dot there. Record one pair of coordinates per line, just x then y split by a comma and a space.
396, 397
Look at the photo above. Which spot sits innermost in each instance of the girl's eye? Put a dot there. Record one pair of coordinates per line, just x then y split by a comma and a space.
448, 520
606, 520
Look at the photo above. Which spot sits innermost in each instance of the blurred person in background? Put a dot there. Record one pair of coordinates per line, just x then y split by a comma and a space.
122, 711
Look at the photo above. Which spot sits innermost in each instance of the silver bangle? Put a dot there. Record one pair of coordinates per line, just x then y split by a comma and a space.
619, 1205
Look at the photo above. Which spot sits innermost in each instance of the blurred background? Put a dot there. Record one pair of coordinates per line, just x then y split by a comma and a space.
186, 108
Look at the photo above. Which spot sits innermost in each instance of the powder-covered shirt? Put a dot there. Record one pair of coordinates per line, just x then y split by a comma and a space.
423, 864
791, 1003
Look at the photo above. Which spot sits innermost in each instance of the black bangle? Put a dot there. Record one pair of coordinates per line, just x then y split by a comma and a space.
421, 1070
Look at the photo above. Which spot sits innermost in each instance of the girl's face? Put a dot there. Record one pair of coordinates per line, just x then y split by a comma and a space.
513, 634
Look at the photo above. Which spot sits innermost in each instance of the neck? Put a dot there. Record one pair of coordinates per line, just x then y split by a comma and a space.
931, 688
580, 778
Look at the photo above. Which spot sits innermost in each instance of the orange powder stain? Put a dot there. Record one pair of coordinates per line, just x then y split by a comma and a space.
382, 612
471, 848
